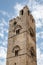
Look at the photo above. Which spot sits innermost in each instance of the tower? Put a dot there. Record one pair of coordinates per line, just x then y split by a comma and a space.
22, 40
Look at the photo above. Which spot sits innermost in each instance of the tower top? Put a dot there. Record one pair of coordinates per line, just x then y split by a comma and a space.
25, 7
25, 10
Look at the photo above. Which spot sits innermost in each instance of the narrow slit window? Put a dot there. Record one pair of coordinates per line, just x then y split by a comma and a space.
28, 12
32, 20
32, 51
31, 32
15, 63
16, 52
18, 31
21, 12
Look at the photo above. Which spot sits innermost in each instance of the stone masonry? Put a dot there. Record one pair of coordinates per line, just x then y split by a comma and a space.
22, 39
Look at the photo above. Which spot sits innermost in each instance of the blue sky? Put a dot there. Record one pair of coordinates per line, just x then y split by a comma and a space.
10, 9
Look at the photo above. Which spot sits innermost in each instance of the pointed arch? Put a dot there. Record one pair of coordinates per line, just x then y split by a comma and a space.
15, 48
17, 27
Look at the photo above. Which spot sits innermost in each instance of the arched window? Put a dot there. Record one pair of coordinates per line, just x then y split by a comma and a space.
16, 50
32, 51
17, 29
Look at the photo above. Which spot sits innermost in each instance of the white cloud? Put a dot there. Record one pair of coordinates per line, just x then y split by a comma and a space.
5, 41
1, 35
39, 57
3, 27
2, 52
6, 30
39, 24
3, 62
38, 11
38, 14
18, 7
4, 13
4, 22
41, 46
39, 35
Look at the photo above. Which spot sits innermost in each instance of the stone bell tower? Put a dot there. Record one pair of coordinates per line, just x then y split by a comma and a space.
22, 39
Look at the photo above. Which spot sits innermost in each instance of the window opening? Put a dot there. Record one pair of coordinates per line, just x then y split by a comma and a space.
15, 23
21, 12
28, 12
16, 52
17, 31
15, 63
32, 51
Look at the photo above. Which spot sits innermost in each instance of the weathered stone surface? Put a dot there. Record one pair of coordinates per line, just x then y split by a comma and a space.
22, 40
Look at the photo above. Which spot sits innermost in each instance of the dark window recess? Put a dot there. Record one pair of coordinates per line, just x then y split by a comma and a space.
17, 31
21, 12
15, 63
32, 51
32, 20
15, 23
16, 52
28, 12
31, 32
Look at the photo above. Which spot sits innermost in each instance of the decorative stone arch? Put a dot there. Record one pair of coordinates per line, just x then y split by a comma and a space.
17, 29
15, 48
